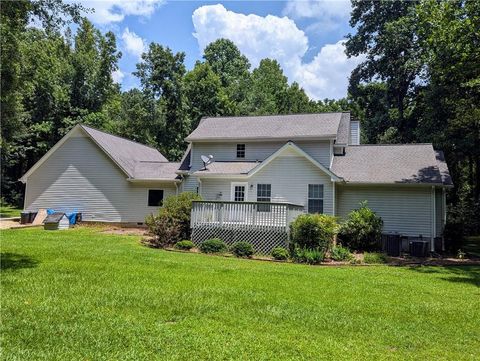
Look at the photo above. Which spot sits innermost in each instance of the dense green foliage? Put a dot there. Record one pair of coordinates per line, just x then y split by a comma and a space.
374, 258
184, 245
308, 255
242, 249
419, 82
340, 253
280, 253
172, 223
214, 245
362, 229
313, 231
84, 294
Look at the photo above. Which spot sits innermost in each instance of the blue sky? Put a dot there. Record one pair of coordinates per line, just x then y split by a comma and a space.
304, 36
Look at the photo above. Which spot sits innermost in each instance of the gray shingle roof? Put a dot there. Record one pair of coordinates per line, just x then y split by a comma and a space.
219, 168
185, 162
408, 163
156, 170
124, 152
443, 168
286, 127
343, 134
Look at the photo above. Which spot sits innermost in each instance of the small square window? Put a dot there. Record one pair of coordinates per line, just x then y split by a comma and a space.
240, 150
155, 197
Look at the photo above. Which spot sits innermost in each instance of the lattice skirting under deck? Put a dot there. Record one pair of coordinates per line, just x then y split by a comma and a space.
261, 238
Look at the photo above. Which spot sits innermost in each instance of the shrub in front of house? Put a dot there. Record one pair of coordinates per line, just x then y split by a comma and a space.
340, 253
374, 258
184, 245
172, 223
242, 249
164, 229
362, 230
214, 245
309, 256
279, 253
313, 232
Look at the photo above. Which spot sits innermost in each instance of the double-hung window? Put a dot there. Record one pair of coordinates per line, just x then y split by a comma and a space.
315, 198
240, 150
264, 194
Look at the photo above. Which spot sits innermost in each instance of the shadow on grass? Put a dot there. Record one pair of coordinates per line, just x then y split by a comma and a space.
14, 261
456, 274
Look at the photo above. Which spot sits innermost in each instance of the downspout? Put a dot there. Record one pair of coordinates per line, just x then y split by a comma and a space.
176, 188
434, 228
199, 186
334, 203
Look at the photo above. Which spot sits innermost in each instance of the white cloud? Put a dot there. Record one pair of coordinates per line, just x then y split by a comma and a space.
326, 76
133, 44
111, 11
118, 76
318, 9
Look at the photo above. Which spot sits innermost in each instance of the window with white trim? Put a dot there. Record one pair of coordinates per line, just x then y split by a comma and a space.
315, 198
240, 150
264, 194
155, 197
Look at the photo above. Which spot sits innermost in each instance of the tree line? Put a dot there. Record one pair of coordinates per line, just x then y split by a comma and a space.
419, 83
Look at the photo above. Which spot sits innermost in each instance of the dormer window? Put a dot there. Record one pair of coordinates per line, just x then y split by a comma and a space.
240, 150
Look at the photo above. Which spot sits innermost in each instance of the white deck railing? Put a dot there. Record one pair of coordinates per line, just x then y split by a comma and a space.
244, 214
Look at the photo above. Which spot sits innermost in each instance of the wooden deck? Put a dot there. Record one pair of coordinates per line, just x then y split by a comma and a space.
263, 224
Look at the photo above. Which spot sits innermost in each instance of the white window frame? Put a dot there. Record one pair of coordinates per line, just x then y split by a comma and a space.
244, 150
232, 190
155, 189
320, 199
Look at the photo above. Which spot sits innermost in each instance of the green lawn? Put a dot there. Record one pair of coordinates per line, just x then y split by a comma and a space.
84, 295
7, 211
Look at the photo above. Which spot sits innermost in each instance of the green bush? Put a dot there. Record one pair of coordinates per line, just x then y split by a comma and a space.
454, 236
214, 245
242, 249
313, 231
165, 230
280, 254
362, 229
374, 257
340, 253
309, 256
184, 245
172, 223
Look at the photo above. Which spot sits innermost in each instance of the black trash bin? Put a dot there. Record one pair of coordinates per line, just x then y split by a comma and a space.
419, 248
24, 217
392, 244
32, 216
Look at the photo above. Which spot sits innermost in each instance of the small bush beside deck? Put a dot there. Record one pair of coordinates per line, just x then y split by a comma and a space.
242, 249
184, 245
214, 245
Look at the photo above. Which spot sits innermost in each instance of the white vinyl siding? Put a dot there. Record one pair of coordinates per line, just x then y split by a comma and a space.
354, 132
319, 150
79, 176
289, 177
404, 209
439, 211
189, 184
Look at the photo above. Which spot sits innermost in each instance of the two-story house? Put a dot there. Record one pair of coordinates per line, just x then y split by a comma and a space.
312, 162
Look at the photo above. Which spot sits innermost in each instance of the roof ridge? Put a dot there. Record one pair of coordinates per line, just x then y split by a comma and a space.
389, 145
120, 137
272, 115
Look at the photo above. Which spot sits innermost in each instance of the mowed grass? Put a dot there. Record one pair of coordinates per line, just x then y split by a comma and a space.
85, 295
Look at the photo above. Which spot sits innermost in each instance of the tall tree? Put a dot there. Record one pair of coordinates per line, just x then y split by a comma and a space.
269, 88
205, 94
232, 67
386, 34
161, 74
